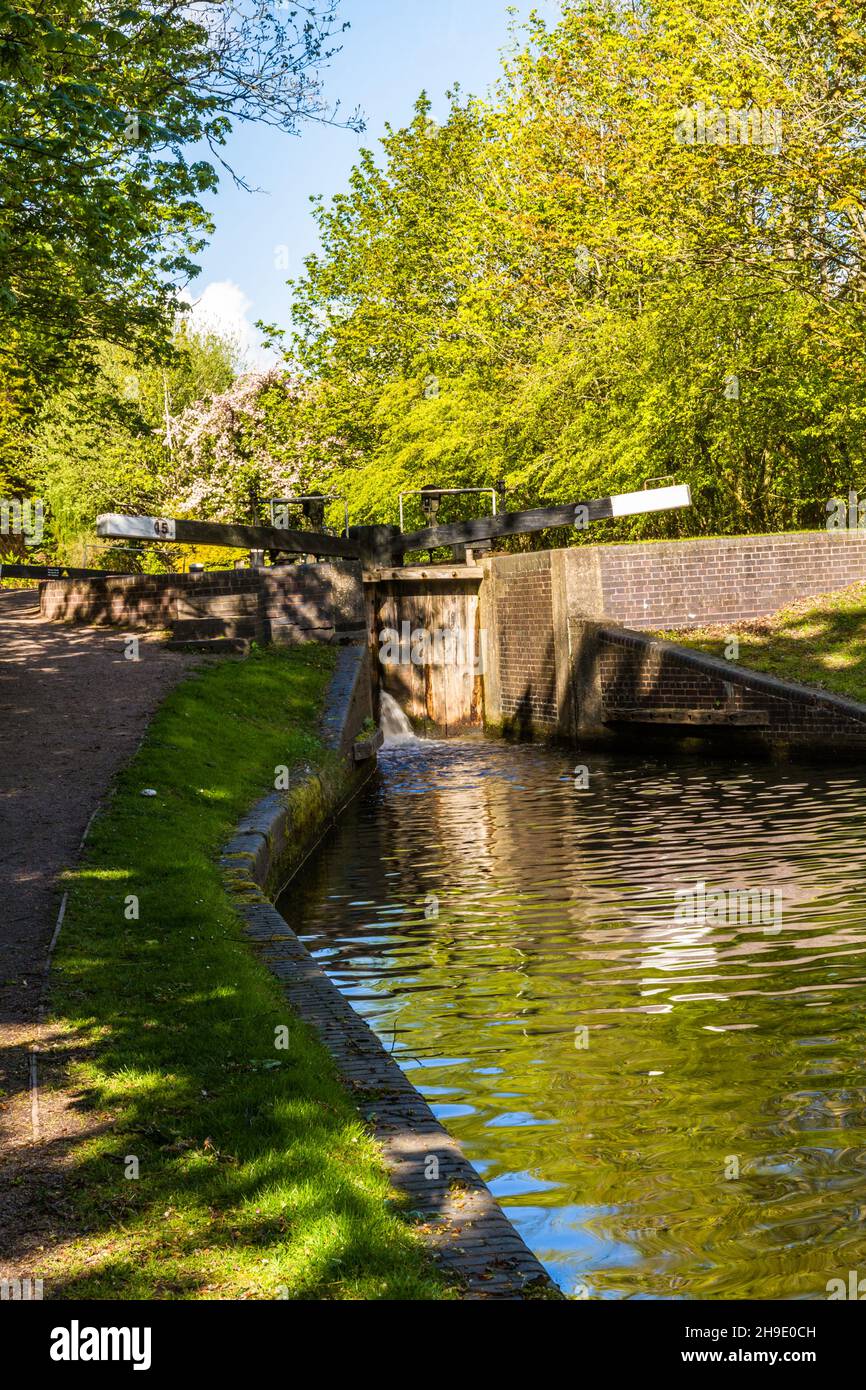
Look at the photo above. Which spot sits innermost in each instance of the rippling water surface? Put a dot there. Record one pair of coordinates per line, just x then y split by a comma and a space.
481, 912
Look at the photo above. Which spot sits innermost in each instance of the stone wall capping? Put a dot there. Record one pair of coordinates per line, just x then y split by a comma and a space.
364, 748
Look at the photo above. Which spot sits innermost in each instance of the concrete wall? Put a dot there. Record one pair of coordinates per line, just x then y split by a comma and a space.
288, 603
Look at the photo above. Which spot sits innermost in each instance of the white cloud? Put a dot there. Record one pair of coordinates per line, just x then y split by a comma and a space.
223, 307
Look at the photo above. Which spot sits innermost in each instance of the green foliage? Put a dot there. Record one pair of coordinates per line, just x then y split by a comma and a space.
562, 286
556, 288
101, 213
101, 443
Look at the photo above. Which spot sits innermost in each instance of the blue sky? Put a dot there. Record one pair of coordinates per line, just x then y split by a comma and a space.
394, 49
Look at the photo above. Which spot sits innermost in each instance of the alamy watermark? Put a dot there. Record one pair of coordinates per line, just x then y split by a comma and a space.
702, 906
77, 1343
21, 1290
25, 519
746, 125
853, 1288
846, 516
421, 646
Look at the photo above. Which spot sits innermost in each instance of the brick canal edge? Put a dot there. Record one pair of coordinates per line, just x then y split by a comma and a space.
469, 1234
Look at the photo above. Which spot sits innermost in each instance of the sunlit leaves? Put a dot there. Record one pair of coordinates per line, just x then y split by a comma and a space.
585, 279
100, 212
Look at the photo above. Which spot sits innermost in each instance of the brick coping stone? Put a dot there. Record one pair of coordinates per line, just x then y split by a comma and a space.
459, 1220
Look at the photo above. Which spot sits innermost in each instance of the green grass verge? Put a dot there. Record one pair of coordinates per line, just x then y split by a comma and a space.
816, 641
256, 1178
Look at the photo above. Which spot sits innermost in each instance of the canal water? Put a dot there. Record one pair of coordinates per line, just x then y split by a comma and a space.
664, 1084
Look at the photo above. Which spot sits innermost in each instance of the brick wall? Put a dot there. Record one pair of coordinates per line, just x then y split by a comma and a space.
289, 602
692, 582
525, 641
634, 672
528, 602
560, 665
137, 601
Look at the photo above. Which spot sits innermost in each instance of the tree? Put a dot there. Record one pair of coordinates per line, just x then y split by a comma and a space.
225, 463
644, 256
109, 441
100, 204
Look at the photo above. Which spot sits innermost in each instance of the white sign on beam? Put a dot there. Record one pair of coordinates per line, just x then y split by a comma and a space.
652, 499
145, 528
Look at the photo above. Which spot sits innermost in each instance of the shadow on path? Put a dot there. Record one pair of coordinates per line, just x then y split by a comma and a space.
73, 709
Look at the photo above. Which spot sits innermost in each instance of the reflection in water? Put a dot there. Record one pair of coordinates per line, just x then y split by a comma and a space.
481, 912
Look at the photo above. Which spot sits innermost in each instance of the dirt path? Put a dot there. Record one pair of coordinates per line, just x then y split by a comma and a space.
72, 711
